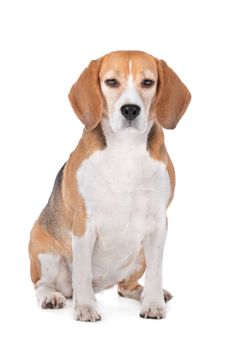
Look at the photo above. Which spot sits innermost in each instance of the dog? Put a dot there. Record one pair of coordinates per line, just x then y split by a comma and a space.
105, 222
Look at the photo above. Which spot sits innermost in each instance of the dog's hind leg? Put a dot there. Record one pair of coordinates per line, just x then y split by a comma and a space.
53, 285
130, 288
49, 270
126, 289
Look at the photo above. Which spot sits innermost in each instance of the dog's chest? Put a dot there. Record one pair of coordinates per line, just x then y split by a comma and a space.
124, 190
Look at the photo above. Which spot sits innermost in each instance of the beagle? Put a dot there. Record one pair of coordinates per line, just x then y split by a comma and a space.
105, 222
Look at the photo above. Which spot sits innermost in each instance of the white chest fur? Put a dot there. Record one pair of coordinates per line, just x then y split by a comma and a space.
124, 190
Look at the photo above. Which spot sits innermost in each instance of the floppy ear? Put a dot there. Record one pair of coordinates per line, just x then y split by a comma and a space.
172, 97
85, 96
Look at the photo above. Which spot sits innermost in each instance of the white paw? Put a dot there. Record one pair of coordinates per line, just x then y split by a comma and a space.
83, 312
52, 300
153, 309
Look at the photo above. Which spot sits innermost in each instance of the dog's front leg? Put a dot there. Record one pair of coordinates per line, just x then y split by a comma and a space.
153, 304
83, 294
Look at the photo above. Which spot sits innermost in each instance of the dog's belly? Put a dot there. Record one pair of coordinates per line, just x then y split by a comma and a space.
123, 195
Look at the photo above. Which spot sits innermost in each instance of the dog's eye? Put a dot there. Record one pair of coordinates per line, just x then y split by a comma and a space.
147, 83
112, 82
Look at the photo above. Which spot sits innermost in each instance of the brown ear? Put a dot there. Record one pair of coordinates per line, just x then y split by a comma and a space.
85, 96
172, 97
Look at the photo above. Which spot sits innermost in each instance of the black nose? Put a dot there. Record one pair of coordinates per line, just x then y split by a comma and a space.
130, 112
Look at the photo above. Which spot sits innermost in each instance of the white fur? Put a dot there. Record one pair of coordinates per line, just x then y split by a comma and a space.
126, 194
129, 91
153, 304
83, 294
125, 191
55, 276
130, 95
130, 80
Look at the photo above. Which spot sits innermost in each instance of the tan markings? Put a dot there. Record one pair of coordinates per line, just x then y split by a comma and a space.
166, 101
91, 141
130, 66
131, 283
119, 61
90, 103
172, 97
130, 69
158, 151
85, 96
70, 211
43, 242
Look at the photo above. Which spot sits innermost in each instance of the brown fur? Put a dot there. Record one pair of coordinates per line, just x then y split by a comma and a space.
131, 283
172, 97
85, 96
65, 211
158, 151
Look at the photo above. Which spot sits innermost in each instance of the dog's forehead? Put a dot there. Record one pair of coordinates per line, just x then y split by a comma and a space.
128, 62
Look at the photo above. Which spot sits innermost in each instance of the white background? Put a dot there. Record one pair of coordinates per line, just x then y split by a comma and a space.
44, 47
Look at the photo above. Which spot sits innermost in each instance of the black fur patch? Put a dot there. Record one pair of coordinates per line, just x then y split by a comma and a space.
58, 182
49, 217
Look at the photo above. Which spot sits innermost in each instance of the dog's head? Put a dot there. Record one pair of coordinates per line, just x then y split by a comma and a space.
130, 88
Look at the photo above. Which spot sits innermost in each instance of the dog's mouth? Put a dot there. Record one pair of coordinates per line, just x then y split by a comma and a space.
131, 124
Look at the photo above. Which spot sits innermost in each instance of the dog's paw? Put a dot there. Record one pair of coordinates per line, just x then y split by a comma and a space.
167, 295
52, 300
156, 310
86, 313
132, 294
137, 292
